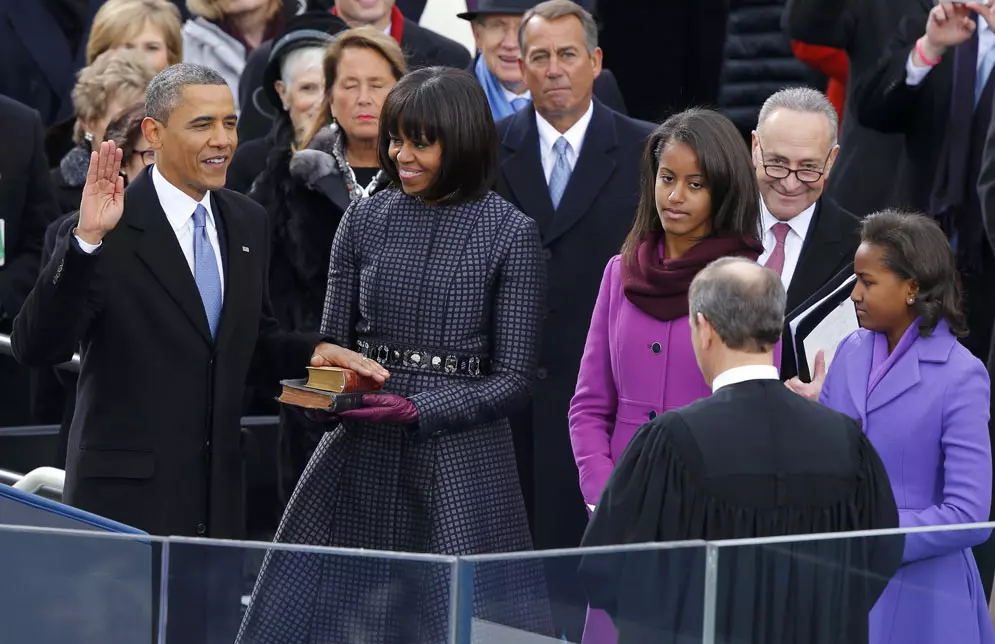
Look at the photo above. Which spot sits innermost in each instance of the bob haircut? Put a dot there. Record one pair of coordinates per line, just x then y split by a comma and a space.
116, 74
448, 106
120, 20
914, 247
726, 164
365, 37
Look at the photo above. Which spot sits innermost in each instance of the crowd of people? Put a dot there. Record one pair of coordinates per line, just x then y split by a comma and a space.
577, 316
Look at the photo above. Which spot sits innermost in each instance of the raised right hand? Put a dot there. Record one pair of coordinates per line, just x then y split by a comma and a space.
811, 390
948, 25
103, 194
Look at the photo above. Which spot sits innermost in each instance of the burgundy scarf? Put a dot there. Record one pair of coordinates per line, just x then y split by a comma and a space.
659, 287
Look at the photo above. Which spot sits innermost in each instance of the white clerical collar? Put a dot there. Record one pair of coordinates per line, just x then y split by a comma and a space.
742, 374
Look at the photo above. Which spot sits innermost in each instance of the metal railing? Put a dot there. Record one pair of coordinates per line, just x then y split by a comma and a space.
7, 349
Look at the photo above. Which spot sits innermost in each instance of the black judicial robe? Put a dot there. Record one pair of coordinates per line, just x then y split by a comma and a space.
752, 460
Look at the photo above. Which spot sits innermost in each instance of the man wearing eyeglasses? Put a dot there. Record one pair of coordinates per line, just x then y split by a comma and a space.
808, 239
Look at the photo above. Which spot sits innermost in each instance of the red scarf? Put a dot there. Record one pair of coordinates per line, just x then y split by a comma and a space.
396, 23
659, 287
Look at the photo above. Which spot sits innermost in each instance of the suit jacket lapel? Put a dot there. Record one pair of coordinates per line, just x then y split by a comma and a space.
595, 166
159, 249
523, 168
901, 377
817, 261
858, 372
238, 265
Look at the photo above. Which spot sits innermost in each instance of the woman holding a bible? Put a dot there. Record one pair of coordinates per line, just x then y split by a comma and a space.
435, 287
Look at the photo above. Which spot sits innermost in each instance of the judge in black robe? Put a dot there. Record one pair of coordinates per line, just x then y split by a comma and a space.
752, 460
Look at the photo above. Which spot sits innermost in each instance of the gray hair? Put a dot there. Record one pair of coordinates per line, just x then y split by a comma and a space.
556, 9
164, 91
801, 99
743, 302
299, 60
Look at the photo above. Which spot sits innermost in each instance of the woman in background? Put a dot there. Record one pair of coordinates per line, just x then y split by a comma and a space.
698, 203
305, 192
441, 281
117, 79
923, 400
223, 33
150, 27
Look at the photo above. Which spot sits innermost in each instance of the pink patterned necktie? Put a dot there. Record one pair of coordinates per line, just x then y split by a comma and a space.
776, 260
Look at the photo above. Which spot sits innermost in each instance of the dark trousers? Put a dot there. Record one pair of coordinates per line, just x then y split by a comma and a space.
979, 303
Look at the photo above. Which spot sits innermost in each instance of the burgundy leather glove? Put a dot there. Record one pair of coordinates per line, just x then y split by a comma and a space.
384, 408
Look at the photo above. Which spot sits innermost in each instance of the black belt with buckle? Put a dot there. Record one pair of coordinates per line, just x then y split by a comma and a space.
427, 359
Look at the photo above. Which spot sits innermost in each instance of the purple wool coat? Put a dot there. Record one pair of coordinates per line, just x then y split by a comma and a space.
928, 420
634, 368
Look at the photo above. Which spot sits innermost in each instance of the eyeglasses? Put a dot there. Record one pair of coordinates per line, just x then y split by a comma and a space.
148, 156
805, 175
496, 28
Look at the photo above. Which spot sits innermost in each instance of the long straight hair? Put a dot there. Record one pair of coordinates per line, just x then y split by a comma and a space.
728, 170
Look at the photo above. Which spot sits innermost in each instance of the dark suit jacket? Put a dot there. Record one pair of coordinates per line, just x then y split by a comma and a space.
832, 240
919, 113
27, 202
155, 440
422, 48
871, 172
37, 66
595, 215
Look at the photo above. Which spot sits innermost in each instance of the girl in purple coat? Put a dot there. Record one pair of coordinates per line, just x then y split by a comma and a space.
698, 203
923, 400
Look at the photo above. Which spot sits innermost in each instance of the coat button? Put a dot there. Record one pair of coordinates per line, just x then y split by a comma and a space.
652, 415
656, 347
542, 374
201, 528
547, 254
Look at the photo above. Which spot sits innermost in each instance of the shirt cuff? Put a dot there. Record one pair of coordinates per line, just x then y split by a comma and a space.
85, 247
914, 75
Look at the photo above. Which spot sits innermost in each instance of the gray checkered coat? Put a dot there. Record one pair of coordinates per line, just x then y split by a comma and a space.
465, 280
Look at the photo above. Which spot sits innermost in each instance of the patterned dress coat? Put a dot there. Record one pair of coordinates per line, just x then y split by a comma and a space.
466, 280
928, 420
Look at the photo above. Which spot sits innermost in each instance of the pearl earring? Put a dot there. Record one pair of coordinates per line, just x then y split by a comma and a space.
88, 137
912, 301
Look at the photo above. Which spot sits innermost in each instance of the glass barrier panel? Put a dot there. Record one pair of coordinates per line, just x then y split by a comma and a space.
263, 593
913, 585
76, 586
640, 593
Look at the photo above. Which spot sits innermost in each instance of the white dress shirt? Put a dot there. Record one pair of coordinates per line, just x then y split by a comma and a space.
792, 243
510, 95
179, 208
742, 374
574, 136
914, 75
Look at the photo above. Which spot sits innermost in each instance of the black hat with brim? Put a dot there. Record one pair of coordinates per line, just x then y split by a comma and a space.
501, 7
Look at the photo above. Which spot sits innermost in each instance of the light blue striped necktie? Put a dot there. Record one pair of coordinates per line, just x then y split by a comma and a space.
205, 269
519, 104
561, 172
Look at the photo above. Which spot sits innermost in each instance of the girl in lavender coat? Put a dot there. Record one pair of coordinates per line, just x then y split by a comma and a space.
698, 203
923, 400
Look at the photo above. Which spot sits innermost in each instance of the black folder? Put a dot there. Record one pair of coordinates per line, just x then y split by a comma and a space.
827, 314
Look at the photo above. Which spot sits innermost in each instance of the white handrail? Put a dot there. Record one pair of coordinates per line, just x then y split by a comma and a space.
40, 477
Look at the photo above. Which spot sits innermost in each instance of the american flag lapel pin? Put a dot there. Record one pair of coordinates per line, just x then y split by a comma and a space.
245, 249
